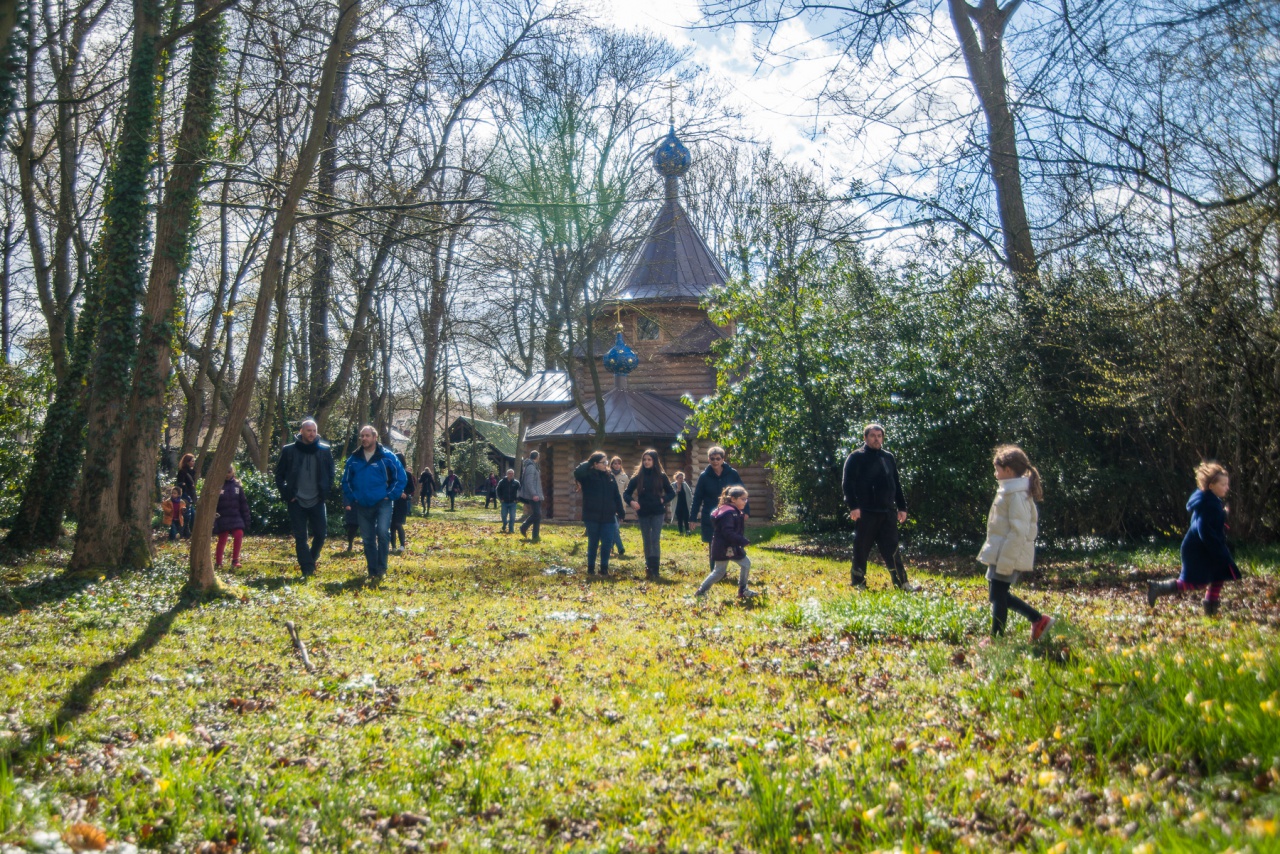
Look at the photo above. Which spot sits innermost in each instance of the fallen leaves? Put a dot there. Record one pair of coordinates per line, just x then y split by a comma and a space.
83, 836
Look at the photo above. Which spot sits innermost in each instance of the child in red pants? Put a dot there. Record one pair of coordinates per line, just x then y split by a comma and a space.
1206, 562
232, 518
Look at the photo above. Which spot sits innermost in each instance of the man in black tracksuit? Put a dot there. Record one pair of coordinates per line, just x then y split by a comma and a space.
876, 505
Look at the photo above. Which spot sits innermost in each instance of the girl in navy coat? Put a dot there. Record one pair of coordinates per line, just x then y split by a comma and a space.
729, 541
232, 518
1206, 562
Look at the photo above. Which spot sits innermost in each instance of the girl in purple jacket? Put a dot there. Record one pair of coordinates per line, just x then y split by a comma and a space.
232, 518
729, 541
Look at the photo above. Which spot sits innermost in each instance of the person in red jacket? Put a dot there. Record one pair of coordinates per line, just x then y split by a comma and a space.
232, 518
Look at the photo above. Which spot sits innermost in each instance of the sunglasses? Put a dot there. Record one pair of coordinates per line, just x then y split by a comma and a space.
716, 457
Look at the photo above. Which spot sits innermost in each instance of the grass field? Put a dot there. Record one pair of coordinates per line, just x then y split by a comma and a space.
480, 700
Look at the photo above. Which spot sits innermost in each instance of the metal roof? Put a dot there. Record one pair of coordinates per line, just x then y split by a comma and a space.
499, 435
627, 413
673, 263
544, 388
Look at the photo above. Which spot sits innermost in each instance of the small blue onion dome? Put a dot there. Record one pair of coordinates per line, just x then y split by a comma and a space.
621, 359
671, 158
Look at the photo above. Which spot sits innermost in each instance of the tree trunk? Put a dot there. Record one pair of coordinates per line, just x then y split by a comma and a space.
176, 219
201, 576
101, 532
985, 62
322, 258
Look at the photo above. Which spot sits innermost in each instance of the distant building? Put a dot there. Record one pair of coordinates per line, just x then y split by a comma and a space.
657, 303
502, 444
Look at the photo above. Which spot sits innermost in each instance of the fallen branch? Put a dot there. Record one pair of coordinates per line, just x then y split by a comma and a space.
299, 646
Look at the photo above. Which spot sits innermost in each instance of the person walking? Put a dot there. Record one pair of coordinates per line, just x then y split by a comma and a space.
1010, 548
400, 508
619, 475
1206, 561
304, 479
427, 489
648, 493
531, 495
491, 491
715, 478
231, 518
873, 493
507, 493
601, 508
729, 542
186, 481
452, 486
371, 480
684, 500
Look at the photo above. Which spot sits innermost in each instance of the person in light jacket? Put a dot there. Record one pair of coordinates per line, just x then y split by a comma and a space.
682, 504
1010, 548
1206, 560
531, 495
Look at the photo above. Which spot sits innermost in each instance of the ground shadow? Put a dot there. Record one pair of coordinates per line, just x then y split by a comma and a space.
337, 588
274, 582
50, 589
80, 698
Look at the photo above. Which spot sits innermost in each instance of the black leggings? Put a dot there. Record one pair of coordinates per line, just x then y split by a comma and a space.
397, 530
1001, 601
352, 530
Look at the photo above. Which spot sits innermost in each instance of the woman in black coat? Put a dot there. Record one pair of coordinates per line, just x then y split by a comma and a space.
400, 508
601, 508
648, 493
427, 488
186, 480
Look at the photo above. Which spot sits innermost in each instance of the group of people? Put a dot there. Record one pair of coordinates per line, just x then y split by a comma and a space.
377, 492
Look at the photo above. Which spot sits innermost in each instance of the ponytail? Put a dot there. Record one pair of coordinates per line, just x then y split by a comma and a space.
1015, 459
732, 492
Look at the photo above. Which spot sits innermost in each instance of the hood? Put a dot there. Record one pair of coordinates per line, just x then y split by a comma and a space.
1200, 498
1015, 484
303, 446
723, 509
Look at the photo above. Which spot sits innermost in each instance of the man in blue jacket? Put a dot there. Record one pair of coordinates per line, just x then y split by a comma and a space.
372, 479
304, 477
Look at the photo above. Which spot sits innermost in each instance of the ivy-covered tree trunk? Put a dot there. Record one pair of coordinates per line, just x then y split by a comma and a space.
201, 577
176, 222
55, 464
100, 534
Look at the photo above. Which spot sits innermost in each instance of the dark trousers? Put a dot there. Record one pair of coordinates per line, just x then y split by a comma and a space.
352, 530
426, 503
490, 497
880, 530
317, 519
188, 516
375, 530
452, 496
600, 536
1001, 601
532, 517
682, 520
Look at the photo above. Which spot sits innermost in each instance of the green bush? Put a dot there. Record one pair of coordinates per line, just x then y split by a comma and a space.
25, 390
270, 516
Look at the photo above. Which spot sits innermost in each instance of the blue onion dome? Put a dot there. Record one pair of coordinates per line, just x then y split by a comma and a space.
671, 158
621, 359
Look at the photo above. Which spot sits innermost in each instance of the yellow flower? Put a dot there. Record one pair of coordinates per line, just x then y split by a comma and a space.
1047, 779
1261, 826
1190, 699
162, 785
1060, 848
871, 814
1057, 733
1144, 848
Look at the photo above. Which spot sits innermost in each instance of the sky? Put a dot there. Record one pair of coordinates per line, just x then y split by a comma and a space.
775, 99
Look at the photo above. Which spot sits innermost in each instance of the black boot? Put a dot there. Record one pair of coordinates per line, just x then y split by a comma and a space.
1211, 607
651, 568
1156, 589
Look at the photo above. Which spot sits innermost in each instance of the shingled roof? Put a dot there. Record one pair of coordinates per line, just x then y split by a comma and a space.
673, 263
627, 413
544, 388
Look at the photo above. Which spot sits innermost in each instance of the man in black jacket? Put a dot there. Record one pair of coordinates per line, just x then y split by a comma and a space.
877, 506
706, 492
304, 477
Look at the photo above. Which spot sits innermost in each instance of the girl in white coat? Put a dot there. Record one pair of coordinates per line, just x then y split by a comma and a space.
1010, 548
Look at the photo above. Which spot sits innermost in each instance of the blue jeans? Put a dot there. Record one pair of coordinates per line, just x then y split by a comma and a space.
600, 536
317, 519
175, 528
375, 530
509, 516
617, 537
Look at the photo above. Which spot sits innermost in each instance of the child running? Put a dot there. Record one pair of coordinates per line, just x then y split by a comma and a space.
1206, 562
729, 541
1010, 548
231, 518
